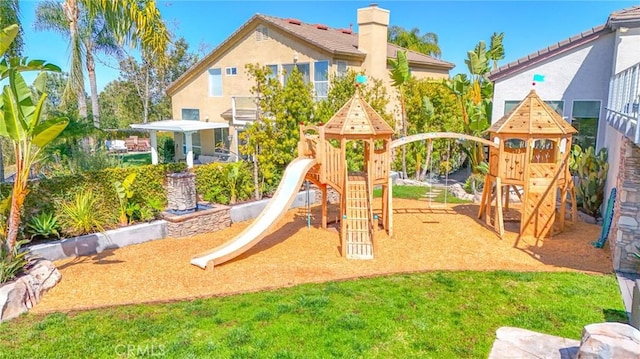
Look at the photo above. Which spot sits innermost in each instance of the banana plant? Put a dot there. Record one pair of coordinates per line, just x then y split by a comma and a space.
124, 191
23, 123
591, 169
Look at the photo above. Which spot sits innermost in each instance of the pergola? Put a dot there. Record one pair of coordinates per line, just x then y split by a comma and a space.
188, 128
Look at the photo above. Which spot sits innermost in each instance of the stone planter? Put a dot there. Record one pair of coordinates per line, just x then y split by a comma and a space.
23, 293
210, 218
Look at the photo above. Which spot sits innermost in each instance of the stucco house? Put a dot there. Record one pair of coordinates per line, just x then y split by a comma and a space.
593, 80
216, 91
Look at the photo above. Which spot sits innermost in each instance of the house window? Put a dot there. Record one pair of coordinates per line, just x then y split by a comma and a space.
221, 137
558, 106
321, 79
190, 114
302, 68
215, 82
231, 71
262, 33
585, 117
274, 72
341, 68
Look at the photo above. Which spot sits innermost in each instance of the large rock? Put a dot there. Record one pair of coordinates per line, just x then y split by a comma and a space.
526, 344
23, 293
609, 341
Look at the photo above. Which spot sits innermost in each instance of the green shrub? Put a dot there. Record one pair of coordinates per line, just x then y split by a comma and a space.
166, 149
44, 225
219, 182
12, 261
82, 215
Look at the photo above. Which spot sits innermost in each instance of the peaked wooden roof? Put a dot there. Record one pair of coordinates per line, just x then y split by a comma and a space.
356, 119
532, 116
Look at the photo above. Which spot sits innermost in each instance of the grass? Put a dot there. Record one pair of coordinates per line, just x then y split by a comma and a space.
427, 315
419, 192
136, 159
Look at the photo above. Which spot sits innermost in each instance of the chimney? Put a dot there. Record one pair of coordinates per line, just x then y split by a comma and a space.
372, 39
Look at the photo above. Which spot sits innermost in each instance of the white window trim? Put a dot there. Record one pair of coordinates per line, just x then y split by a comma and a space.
189, 108
228, 71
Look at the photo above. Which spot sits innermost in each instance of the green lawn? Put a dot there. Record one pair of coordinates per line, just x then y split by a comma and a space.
427, 315
419, 192
136, 159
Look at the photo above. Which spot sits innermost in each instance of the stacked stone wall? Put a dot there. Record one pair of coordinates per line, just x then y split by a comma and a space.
624, 237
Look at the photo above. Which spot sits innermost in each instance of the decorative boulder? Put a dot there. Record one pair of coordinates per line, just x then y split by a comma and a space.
23, 293
609, 341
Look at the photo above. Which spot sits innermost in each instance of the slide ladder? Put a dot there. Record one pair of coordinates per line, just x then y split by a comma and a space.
359, 224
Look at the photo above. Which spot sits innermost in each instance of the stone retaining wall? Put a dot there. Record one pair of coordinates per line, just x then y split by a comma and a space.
202, 221
625, 234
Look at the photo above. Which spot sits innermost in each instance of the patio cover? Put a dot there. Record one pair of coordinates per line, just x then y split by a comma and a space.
186, 127
179, 126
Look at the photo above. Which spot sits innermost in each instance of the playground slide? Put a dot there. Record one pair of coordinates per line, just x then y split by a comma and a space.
275, 209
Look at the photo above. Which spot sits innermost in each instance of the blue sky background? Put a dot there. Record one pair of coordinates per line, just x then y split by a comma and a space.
528, 25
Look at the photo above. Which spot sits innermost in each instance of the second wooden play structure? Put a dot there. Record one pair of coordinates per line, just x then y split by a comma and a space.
533, 148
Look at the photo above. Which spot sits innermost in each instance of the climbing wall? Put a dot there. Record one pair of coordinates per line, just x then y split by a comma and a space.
358, 221
539, 209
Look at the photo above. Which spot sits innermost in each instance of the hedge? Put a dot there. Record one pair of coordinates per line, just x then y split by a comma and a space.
213, 182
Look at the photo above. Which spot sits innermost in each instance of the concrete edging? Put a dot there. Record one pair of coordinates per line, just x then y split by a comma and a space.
94, 243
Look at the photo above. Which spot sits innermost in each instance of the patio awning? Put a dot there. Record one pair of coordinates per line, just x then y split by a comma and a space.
179, 126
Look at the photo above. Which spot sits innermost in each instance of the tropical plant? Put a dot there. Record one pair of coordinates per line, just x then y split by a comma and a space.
124, 191
12, 261
44, 225
400, 75
10, 15
475, 94
591, 170
84, 214
22, 122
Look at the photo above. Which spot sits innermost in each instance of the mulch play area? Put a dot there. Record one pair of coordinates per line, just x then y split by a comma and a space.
445, 238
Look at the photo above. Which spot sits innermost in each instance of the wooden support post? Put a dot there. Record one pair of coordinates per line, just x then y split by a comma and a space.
506, 196
499, 223
563, 204
485, 195
324, 206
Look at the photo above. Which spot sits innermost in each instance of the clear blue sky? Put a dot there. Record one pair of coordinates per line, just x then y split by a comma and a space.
528, 25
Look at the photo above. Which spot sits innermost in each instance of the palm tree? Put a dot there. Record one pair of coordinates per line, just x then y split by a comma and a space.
91, 25
94, 36
412, 40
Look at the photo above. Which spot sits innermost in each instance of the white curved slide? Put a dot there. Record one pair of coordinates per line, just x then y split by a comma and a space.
275, 209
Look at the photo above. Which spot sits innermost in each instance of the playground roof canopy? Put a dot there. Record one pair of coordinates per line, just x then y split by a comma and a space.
357, 119
532, 116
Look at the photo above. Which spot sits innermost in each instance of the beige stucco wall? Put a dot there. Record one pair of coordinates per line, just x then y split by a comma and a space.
278, 49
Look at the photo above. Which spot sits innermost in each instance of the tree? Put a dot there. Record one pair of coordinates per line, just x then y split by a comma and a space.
99, 24
150, 78
412, 40
22, 121
400, 75
120, 104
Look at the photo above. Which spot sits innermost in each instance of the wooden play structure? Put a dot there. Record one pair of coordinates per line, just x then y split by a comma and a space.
533, 145
327, 144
